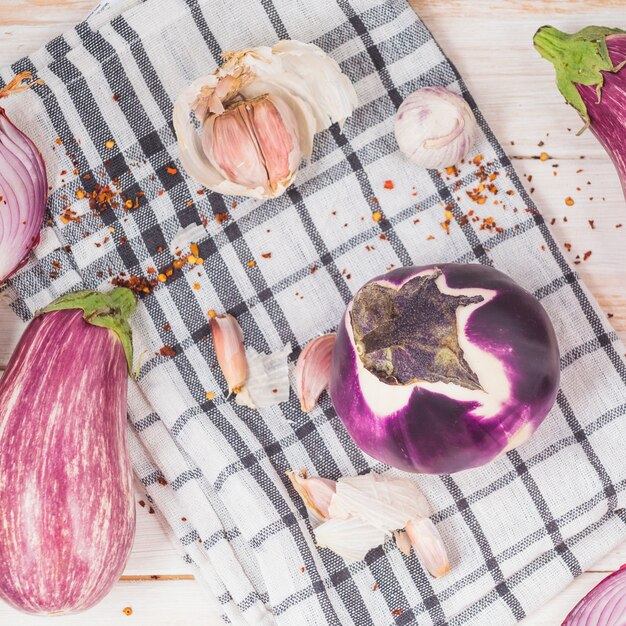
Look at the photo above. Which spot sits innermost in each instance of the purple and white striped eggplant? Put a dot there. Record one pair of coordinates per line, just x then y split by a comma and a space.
591, 75
67, 513
438, 369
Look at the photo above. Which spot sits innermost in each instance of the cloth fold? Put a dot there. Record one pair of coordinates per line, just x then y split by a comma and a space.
518, 529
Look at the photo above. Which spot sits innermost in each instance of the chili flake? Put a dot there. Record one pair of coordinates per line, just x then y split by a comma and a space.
586, 255
171, 170
388, 184
222, 217
267, 255
592, 223
167, 351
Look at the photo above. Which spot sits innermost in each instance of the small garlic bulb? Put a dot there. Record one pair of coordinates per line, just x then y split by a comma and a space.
435, 128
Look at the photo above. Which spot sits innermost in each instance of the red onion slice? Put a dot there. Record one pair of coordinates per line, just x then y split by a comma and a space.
23, 190
604, 605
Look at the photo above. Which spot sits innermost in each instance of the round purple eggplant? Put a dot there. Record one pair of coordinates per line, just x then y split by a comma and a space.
67, 512
438, 369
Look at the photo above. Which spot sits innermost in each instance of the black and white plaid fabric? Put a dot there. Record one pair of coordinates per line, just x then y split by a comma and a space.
519, 529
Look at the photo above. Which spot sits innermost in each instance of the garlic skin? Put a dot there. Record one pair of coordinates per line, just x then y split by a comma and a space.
435, 128
258, 113
313, 370
357, 513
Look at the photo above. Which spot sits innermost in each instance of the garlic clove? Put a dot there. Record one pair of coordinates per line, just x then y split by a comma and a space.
402, 541
351, 539
316, 492
267, 383
231, 356
428, 546
385, 503
313, 370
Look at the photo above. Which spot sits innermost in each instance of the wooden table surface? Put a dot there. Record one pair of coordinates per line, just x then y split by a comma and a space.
490, 42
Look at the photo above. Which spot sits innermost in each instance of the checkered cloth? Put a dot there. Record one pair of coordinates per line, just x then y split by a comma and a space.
517, 530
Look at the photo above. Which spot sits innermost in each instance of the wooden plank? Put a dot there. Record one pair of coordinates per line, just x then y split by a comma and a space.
163, 602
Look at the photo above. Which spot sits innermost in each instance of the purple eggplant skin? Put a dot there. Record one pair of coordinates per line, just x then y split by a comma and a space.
591, 74
67, 512
437, 434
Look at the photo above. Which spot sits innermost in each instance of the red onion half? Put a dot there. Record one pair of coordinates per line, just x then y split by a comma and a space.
23, 189
604, 605
438, 369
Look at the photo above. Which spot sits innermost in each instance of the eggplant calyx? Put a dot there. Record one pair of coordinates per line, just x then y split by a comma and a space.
109, 310
579, 58
410, 334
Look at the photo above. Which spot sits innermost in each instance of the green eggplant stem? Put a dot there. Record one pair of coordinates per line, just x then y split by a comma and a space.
579, 58
109, 310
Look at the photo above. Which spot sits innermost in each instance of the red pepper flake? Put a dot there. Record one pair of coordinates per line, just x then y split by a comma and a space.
477, 160
267, 255
452, 171
141, 503
313, 269
586, 255
567, 246
167, 351
388, 184
222, 217
374, 200
382, 236
183, 519
430, 238
162, 481
592, 223
374, 586
116, 97
618, 225
167, 327
171, 170
553, 221
137, 284
302, 569
397, 611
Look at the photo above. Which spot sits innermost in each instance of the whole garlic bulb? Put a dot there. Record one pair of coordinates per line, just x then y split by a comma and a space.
258, 113
435, 128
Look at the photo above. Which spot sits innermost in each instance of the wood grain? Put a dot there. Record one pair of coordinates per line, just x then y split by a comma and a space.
490, 41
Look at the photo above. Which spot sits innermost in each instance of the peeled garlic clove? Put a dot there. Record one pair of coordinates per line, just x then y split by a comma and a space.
384, 502
402, 541
231, 356
313, 370
428, 546
316, 492
351, 539
435, 128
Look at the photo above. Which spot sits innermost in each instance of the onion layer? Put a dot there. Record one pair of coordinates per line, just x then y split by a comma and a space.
23, 190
